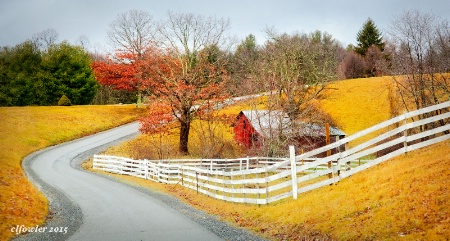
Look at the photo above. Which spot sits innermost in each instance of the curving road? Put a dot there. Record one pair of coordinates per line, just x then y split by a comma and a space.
88, 206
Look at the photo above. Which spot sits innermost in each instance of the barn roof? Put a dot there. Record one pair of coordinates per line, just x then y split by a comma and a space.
317, 130
265, 121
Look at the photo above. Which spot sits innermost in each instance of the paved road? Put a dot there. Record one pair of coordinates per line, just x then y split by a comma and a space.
110, 210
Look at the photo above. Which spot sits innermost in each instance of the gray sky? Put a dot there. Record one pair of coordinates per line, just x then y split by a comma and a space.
21, 19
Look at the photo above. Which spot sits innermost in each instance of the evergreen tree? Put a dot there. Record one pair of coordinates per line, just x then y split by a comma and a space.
368, 36
69, 67
18, 74
245, 56
241, 66
30, 76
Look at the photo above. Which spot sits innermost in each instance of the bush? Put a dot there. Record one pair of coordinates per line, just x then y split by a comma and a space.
64, 101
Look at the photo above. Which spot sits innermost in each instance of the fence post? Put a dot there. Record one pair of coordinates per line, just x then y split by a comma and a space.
182, 175
293, 172
327, 140
94, 162
158, 170
243, 185
223, 184
146, 168
258, 196
405, 132
303, 161
196, 180
232, 184
267, 184
210, 166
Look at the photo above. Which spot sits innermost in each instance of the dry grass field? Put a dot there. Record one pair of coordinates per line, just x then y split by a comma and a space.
404, 198
28, 129
357, 104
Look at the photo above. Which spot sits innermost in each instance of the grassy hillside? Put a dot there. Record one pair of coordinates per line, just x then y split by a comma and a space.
357, 104
407, 197
28, 129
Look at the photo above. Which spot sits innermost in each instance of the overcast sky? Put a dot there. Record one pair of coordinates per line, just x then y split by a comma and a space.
21, 19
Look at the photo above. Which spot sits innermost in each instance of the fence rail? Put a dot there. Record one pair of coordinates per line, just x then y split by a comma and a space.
263, 180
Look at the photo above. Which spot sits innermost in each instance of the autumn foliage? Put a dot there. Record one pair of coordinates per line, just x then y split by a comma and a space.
158, 117
118, 75
180, 87
186, 86
124, 71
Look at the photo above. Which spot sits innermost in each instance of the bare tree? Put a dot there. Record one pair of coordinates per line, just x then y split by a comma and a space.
44, 39
374, 62
133, 31
187, 34
352, 66
195, 68
84, 42
421, 50
296, 69
242, 67
422, 47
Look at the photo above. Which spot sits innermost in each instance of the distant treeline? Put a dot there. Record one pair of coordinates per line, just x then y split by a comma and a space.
32, 75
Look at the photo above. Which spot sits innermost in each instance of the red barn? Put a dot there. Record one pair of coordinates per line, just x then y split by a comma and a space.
253, 126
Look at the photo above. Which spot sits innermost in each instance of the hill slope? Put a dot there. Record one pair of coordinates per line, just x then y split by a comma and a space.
358, 104
406, 197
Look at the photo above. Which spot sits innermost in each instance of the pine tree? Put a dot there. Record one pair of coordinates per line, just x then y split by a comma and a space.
64, 101
369, 35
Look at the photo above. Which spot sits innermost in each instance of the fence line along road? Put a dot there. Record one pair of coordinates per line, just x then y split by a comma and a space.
263, 180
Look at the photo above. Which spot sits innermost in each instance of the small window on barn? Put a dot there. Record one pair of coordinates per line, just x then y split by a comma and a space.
245, 124
254, 137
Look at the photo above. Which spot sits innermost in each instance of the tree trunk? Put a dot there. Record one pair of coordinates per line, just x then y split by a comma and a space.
139, 99
185, 126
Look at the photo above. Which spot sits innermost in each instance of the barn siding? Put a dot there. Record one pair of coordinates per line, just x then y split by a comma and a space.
244, 133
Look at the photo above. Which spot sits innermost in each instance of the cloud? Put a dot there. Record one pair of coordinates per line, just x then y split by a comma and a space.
20, 19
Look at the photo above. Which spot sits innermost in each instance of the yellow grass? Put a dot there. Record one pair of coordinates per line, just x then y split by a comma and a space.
357, 104
407, 197
404, 198
166, 146
257, 103
28, 129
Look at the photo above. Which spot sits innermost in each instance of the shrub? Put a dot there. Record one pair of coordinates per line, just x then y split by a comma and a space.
64, 101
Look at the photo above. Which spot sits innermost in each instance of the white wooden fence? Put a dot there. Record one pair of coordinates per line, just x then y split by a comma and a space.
263, 180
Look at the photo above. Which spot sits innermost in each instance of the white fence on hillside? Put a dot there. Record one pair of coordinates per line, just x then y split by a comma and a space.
263, 180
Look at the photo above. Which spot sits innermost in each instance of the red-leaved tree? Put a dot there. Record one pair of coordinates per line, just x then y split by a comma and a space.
132, 35
190, 66
186, 92
124, 71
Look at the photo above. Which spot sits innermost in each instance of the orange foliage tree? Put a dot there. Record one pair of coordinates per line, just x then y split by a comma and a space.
124, 71
185, 93
190, 68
